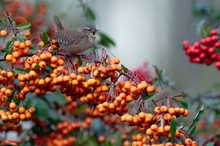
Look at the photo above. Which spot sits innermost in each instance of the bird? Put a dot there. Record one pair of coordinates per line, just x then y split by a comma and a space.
74, 41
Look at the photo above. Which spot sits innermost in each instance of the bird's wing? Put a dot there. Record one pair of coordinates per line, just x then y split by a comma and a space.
68, 37
58, 24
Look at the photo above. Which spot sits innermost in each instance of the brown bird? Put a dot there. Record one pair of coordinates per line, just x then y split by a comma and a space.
74, 41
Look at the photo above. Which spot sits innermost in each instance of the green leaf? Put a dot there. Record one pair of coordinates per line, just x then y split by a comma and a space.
90, 14
107, 143
45, 38
19, 71
105, 40
173, 128
24, 25
149, 97
79, 61
4, 20
42, 108
184, 104
37, 66
79, 110
2, 124
56, 97
118, 138
5, 100
155, 82
211, 143
159, 74
196, 119
21, 38
156, 69
8, 47
125, 69
49, 68
180, 102
192, 131
33, 49
93, 140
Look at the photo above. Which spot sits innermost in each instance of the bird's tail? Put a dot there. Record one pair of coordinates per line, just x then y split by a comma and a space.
58, 24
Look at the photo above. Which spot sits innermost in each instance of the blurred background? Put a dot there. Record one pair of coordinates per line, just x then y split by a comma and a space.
150, 31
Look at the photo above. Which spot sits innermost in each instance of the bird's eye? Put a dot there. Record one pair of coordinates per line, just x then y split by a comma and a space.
87, 28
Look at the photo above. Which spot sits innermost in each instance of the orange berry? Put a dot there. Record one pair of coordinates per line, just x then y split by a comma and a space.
10, 74
27, 33
21, 109
60, 61
139, 137
188, 141
8, 92
81, 70
36, 59
171, 111
101, 138
168, 144
142, 115
22, 45
127, 85
27, 115
105, 88
12, 105
186, 113
154, 127
42, 64
167, 117
30, 60
167, 128
43, 57
22, 117
15, 115
160, 130
41, 43
27, 43
3, 33
129, 118
149, 132
16, 43
33, 74
8, 57
150, 89
15, 54
157, 110
53, 59
163, 109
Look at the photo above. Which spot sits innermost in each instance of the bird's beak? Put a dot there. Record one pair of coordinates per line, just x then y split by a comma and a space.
94, 34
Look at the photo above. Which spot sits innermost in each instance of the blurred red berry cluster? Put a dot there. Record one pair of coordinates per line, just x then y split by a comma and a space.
143, 73
23, 11
206, 51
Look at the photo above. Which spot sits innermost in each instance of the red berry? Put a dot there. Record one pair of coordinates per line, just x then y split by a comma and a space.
214, 57
204, 48
203, 41
213, 32
217, 44
208, 61
211, 50
214, 38
202, 55
196, 45
217, 64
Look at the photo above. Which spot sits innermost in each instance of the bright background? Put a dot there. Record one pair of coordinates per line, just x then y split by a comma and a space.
147, 30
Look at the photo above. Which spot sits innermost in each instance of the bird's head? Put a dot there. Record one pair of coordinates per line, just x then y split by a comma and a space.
89, 30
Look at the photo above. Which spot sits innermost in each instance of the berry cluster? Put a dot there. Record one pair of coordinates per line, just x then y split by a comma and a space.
98, 80
205, 51
15, 115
